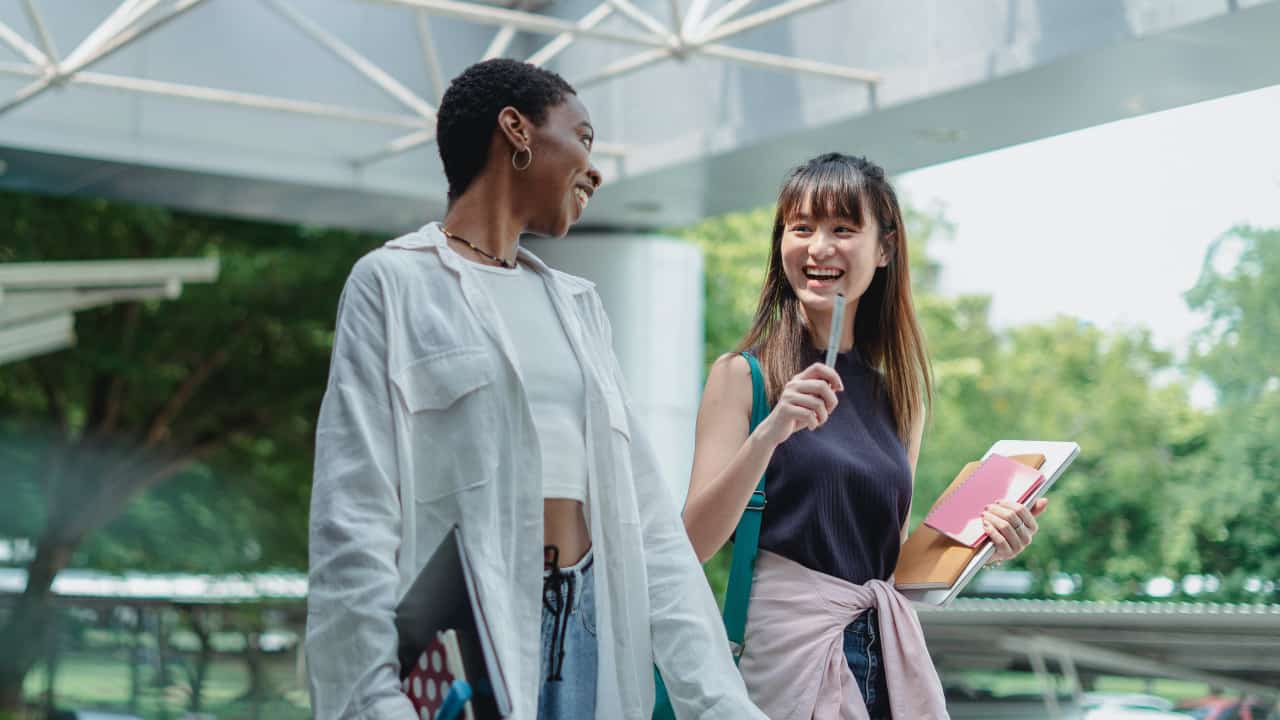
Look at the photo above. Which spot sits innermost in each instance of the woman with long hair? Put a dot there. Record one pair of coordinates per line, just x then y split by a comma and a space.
472, 385
827, 635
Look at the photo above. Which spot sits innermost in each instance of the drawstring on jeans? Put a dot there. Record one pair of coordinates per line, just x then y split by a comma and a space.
557, 598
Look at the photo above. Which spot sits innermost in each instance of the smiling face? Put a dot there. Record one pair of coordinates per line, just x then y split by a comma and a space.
839, 228
824, 254
560, 179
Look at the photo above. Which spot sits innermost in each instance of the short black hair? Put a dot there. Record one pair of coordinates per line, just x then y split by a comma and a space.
469, 112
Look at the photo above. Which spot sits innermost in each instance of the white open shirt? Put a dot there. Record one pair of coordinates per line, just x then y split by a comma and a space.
425, 424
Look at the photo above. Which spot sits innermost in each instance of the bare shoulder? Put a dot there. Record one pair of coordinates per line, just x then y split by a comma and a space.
729, 383
732, 368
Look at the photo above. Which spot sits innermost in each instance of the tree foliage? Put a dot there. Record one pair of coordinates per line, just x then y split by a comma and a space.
209, 399
1238, 352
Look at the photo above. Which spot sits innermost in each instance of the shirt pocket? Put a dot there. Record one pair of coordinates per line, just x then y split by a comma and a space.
452, 414
437, 381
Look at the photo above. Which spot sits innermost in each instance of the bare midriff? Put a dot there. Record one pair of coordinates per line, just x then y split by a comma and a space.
565, 526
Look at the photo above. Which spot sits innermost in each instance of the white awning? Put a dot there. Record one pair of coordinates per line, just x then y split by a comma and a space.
38, 299
91, 585
323, 111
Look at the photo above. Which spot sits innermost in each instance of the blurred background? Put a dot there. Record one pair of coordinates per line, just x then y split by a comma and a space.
1093, 200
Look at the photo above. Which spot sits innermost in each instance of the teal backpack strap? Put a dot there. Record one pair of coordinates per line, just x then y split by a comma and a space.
747, 537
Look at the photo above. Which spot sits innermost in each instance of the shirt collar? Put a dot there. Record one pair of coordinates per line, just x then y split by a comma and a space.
430, 237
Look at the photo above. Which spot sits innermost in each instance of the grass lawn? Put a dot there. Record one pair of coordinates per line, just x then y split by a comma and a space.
101, 681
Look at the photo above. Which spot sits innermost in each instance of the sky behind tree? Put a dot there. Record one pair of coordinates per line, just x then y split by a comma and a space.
1108, 224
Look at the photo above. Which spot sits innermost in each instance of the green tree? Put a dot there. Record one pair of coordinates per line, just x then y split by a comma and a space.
215, 393
1238, 351
1115, 518
735, 249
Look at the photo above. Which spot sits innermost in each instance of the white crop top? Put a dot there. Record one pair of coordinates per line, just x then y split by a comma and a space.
552, 376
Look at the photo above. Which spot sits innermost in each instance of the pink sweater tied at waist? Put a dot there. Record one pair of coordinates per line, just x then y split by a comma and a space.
793, 660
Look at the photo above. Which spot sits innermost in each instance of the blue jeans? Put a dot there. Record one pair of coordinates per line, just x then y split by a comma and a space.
862, 651
569, 649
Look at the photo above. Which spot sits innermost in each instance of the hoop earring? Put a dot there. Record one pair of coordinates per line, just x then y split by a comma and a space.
516, 154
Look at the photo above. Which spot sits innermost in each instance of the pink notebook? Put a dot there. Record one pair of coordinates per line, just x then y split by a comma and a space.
959, 514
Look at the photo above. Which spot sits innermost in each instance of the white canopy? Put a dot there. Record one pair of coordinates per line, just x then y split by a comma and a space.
38, 299
322, 111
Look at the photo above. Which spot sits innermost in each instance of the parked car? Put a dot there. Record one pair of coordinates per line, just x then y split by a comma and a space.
1227, 708
1123, 712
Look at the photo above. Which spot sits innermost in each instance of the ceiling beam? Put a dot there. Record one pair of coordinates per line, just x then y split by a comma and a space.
782, 62
20, 45
525, 21
429, 55
726, 11
764, 17
557, 45
68, 68
360, 63
42, 31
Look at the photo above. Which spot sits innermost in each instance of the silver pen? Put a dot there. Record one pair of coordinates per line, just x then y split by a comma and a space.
837, 328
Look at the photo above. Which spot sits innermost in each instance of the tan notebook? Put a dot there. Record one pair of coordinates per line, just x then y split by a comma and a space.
930, 560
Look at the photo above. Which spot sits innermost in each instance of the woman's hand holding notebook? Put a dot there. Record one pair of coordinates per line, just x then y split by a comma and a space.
959, 514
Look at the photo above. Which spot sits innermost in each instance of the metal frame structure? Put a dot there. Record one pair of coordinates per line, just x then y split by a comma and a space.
1185, 641
38, 299
695, 31
1070, 655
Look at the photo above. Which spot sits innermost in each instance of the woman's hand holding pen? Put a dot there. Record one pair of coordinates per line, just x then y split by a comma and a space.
806, 401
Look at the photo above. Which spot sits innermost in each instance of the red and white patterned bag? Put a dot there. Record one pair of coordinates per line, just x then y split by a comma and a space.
428, 683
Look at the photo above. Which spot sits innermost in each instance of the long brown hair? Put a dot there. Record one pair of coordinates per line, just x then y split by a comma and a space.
885, 329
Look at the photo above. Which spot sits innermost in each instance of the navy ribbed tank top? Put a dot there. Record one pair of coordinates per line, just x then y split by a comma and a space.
837, 497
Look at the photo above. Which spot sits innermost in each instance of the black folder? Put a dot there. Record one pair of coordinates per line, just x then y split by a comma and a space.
444, 596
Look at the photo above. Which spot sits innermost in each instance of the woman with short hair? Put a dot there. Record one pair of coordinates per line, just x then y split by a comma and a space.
471, 384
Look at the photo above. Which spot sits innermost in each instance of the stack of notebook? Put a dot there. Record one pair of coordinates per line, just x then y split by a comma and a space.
448, 665
946, 551
437, 684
